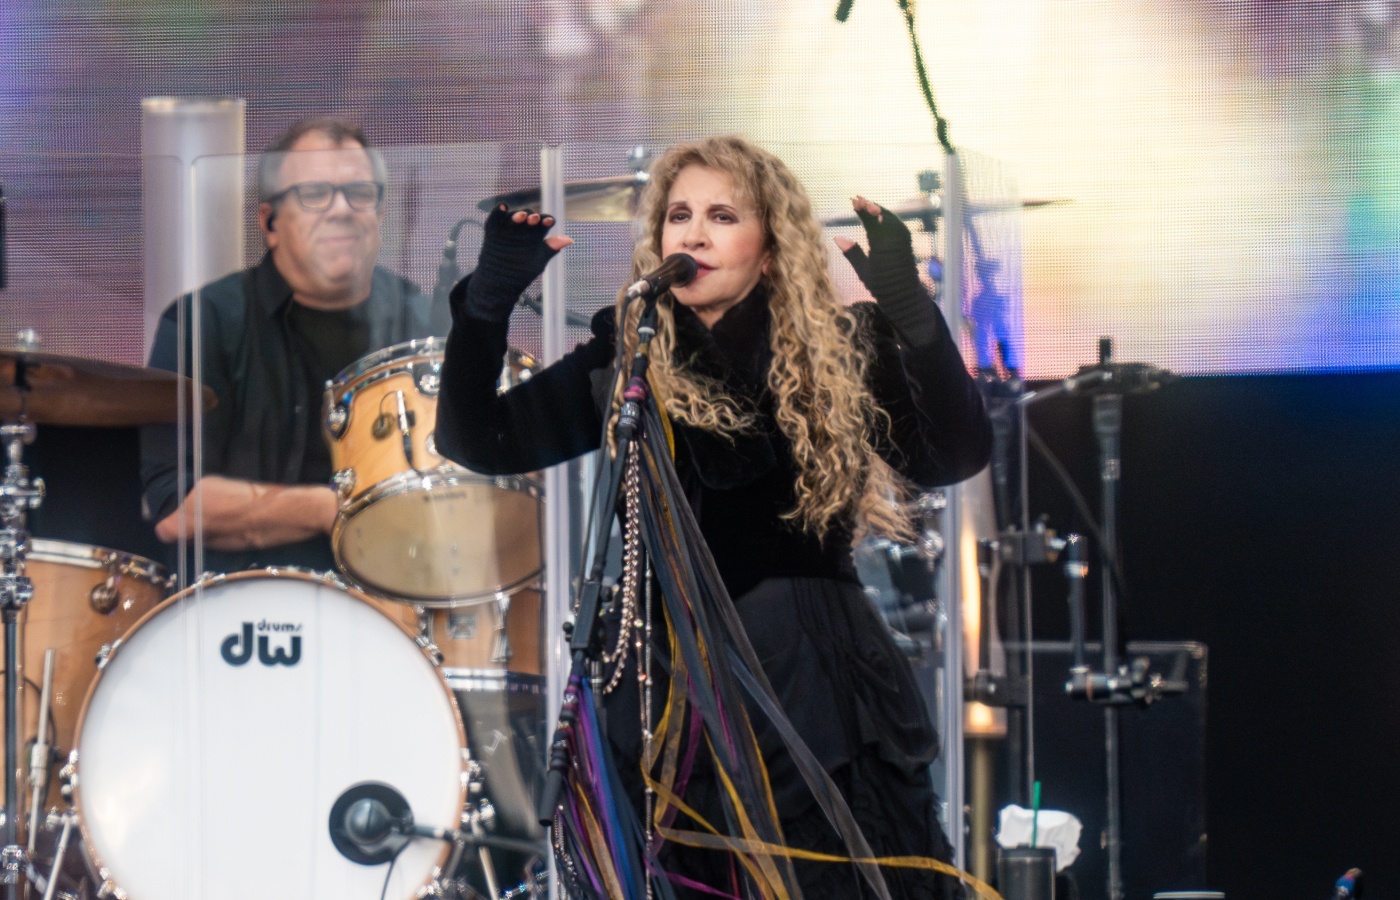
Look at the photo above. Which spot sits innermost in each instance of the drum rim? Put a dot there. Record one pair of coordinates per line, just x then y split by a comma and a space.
418, 347
53, 550
328, 579
447, 475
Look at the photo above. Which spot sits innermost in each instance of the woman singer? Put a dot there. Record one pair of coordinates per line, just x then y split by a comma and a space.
800, 423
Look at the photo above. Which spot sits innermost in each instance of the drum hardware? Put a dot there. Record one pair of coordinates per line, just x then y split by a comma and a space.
49, 883
337, 417
405, 419
477, 817
500, 648
39, 753
429, 380
344, 483
17, 497
68, 776
900, 578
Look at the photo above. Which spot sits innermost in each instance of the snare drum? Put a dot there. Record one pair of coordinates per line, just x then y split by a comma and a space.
85, 598
226, 724
413, 525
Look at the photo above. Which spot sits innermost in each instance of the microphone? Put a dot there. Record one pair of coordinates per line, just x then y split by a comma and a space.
370, 823
535, 303
405, 430
447, 266
678, 269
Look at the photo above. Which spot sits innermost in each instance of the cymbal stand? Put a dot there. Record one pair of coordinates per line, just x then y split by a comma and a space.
39, 754
18, 495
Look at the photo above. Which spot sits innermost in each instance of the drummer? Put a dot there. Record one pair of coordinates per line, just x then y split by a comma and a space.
271, 336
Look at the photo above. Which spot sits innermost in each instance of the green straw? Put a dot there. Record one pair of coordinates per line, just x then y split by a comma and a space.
1035, 812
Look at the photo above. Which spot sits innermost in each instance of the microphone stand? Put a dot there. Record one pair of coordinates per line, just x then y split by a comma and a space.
585, 637
1115, 685
447, 266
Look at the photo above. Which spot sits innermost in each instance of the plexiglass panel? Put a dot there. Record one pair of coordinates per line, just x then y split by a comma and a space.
371, 614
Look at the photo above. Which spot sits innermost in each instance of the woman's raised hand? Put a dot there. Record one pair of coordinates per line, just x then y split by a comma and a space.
891, 248
515, 248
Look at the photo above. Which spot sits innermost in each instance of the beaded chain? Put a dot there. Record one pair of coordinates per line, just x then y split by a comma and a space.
629, 629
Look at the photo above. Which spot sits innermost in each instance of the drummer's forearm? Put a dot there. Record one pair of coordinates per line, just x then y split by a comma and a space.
247, 515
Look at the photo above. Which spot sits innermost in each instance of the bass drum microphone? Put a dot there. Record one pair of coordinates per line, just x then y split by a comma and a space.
371, 823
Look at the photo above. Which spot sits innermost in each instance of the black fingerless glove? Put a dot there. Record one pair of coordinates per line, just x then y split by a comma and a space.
891, 275
513, 254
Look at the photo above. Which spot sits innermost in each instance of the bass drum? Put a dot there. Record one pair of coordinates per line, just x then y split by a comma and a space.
226, 724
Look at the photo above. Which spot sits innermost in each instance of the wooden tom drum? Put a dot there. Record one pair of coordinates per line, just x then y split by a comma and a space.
412, 525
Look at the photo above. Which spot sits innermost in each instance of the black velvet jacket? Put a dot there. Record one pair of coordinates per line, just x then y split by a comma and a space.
740, 489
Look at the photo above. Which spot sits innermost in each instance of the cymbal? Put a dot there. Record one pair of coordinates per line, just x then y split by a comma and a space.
611, 199
71, 390
919, 208
923, 209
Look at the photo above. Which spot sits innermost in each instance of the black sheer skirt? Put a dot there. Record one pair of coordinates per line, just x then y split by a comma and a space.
851, 695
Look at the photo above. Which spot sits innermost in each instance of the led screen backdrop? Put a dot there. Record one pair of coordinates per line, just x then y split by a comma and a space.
1228, 169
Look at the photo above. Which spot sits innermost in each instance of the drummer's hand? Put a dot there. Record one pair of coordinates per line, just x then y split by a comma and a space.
515, 248
890, 266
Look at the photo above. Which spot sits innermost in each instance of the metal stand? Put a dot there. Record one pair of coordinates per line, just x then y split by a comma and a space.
584, 637
17, 497
1116, 684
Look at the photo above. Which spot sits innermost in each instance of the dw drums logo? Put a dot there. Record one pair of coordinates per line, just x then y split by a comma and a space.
237, 649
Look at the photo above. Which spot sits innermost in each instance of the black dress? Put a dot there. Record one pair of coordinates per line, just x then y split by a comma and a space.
842, 682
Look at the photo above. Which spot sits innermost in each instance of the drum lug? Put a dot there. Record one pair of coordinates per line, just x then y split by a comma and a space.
483, 816
344, 483
109, 887
104, 653
68, 776
425, 642
428, 377
337, 417
103, 597
501, 651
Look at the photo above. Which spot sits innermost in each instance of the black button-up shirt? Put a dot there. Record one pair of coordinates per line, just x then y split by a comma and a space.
258, 431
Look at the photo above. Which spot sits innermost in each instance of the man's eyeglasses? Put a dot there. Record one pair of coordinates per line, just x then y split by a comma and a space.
317, 196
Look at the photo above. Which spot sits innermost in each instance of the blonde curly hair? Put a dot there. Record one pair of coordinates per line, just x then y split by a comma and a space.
818, 375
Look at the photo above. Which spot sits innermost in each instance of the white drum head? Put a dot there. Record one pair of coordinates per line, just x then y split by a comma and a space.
226, 724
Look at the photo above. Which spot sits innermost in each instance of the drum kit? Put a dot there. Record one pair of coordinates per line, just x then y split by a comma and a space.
376, 732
